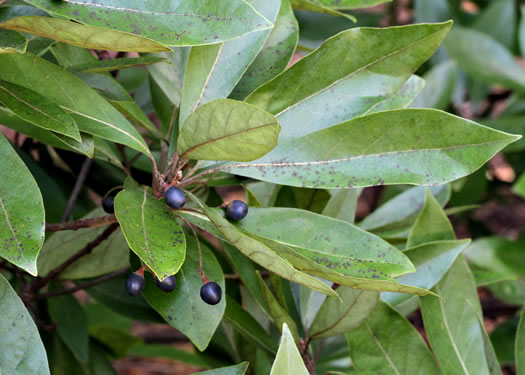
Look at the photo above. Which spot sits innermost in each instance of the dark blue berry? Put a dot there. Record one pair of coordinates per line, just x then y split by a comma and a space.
175, 197
108, 204
134, 284
236, 210
211, 293
168, 284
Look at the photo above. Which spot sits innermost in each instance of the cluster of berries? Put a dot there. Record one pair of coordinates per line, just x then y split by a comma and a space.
211, 292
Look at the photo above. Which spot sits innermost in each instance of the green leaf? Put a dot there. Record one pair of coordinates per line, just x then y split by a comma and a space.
274, 56
385, 148
277, 312
288, 359
503, 337
101, 66
349, 4
21, 350
452, 324
213, 71
499, 20
151, 230
109, 256
519, 186
387, 343
440, 83
335, 318
12, 42
178, 24
228, 130
521, 34
514, 124
91, 112
169, 352
295, 256
239, 369
243, 322
432, 224
343, 204
37, 109
183, 308
470, 49
402, 98
432, 260
82, 35
402, 210
21, 211
9, 119
519, 346
332, 85
71, 323
261, 254
315, 6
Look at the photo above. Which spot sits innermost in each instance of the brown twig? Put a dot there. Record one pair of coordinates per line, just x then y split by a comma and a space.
85, 285
82, 223
76, 189
39, 283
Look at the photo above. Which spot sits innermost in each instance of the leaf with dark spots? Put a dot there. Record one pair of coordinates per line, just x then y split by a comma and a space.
83, 36
151, 230
21, 211
37, 109
21, 349
213, 71
226, 129
91, 112
256, 251
183, 308
185, 23
345, 77
407, 146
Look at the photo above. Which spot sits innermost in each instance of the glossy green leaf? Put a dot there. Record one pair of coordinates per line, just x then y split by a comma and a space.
111, 255
37, 109
385, 148
21, 211
387, 343
101, 66
288, 359
183, 308
346, 76
151, 230
470, 49
499, 20
117, 95
402, 98
261, 254
277, 312
296, 256
519, 346
67, 314
452, 325
21, 350
275, 55
9, 119
335, 318
402, 210
440, 82
510, 124
82, 35
432, 260
316, 6
243, 322
431, 225
228, 130
178, 24
239, 369
213, 71
12, 42
91, 112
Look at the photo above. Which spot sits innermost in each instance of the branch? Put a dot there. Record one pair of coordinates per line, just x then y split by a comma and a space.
76, 189
86, 285
40, 283
82, 223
